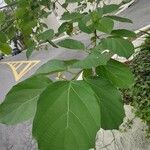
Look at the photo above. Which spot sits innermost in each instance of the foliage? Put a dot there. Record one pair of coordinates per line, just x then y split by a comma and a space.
146, 44
139, 96
68, 113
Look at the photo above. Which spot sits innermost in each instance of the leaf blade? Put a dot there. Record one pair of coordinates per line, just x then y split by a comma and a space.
71, 44
110, 101
20, 103
74, 107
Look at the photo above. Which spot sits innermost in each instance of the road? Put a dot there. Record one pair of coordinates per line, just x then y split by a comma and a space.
19, 137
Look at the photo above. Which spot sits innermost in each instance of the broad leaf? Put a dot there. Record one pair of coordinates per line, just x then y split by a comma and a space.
110, 101
123, 33
119, 46
73, 1
104, 25
52, 66
67, 117
71, 16
120, 19
117, 73
46, 35
66, 27
71, 44
110, 8
20, 103
5, 48
93, 60
82, 26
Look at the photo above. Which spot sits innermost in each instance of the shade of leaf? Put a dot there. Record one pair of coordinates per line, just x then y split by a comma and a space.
20, 103
117, 73
120, 19
110, 101
67, 117
46, 35
123, 33
93, 60
5, 48
52, 66
71, 44
110, 8
119, 46
104, 25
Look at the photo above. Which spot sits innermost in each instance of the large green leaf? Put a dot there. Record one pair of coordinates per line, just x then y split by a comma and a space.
71, 16
110, 8
119, 46
123, 33
52, 66
46, 35
71, 44
73, 1
67, 117
104, 25
110, 101
120, 19
93, 60
20, 103
117, 73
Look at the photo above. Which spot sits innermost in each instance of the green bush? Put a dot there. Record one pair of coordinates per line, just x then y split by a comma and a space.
139, 95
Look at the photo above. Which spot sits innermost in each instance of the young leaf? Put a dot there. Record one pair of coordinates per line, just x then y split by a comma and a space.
52, 66
20, 103
67, 117
110, 8
120, 19
117, 73
119, 46
46, 35
73, 1
123, 33
29, 52
93, 60
5, 48
71, 16
110, 102
65, 27
71, 44
104, 25
82, 26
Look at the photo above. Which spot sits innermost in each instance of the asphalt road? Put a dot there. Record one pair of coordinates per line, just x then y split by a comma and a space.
19, 137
